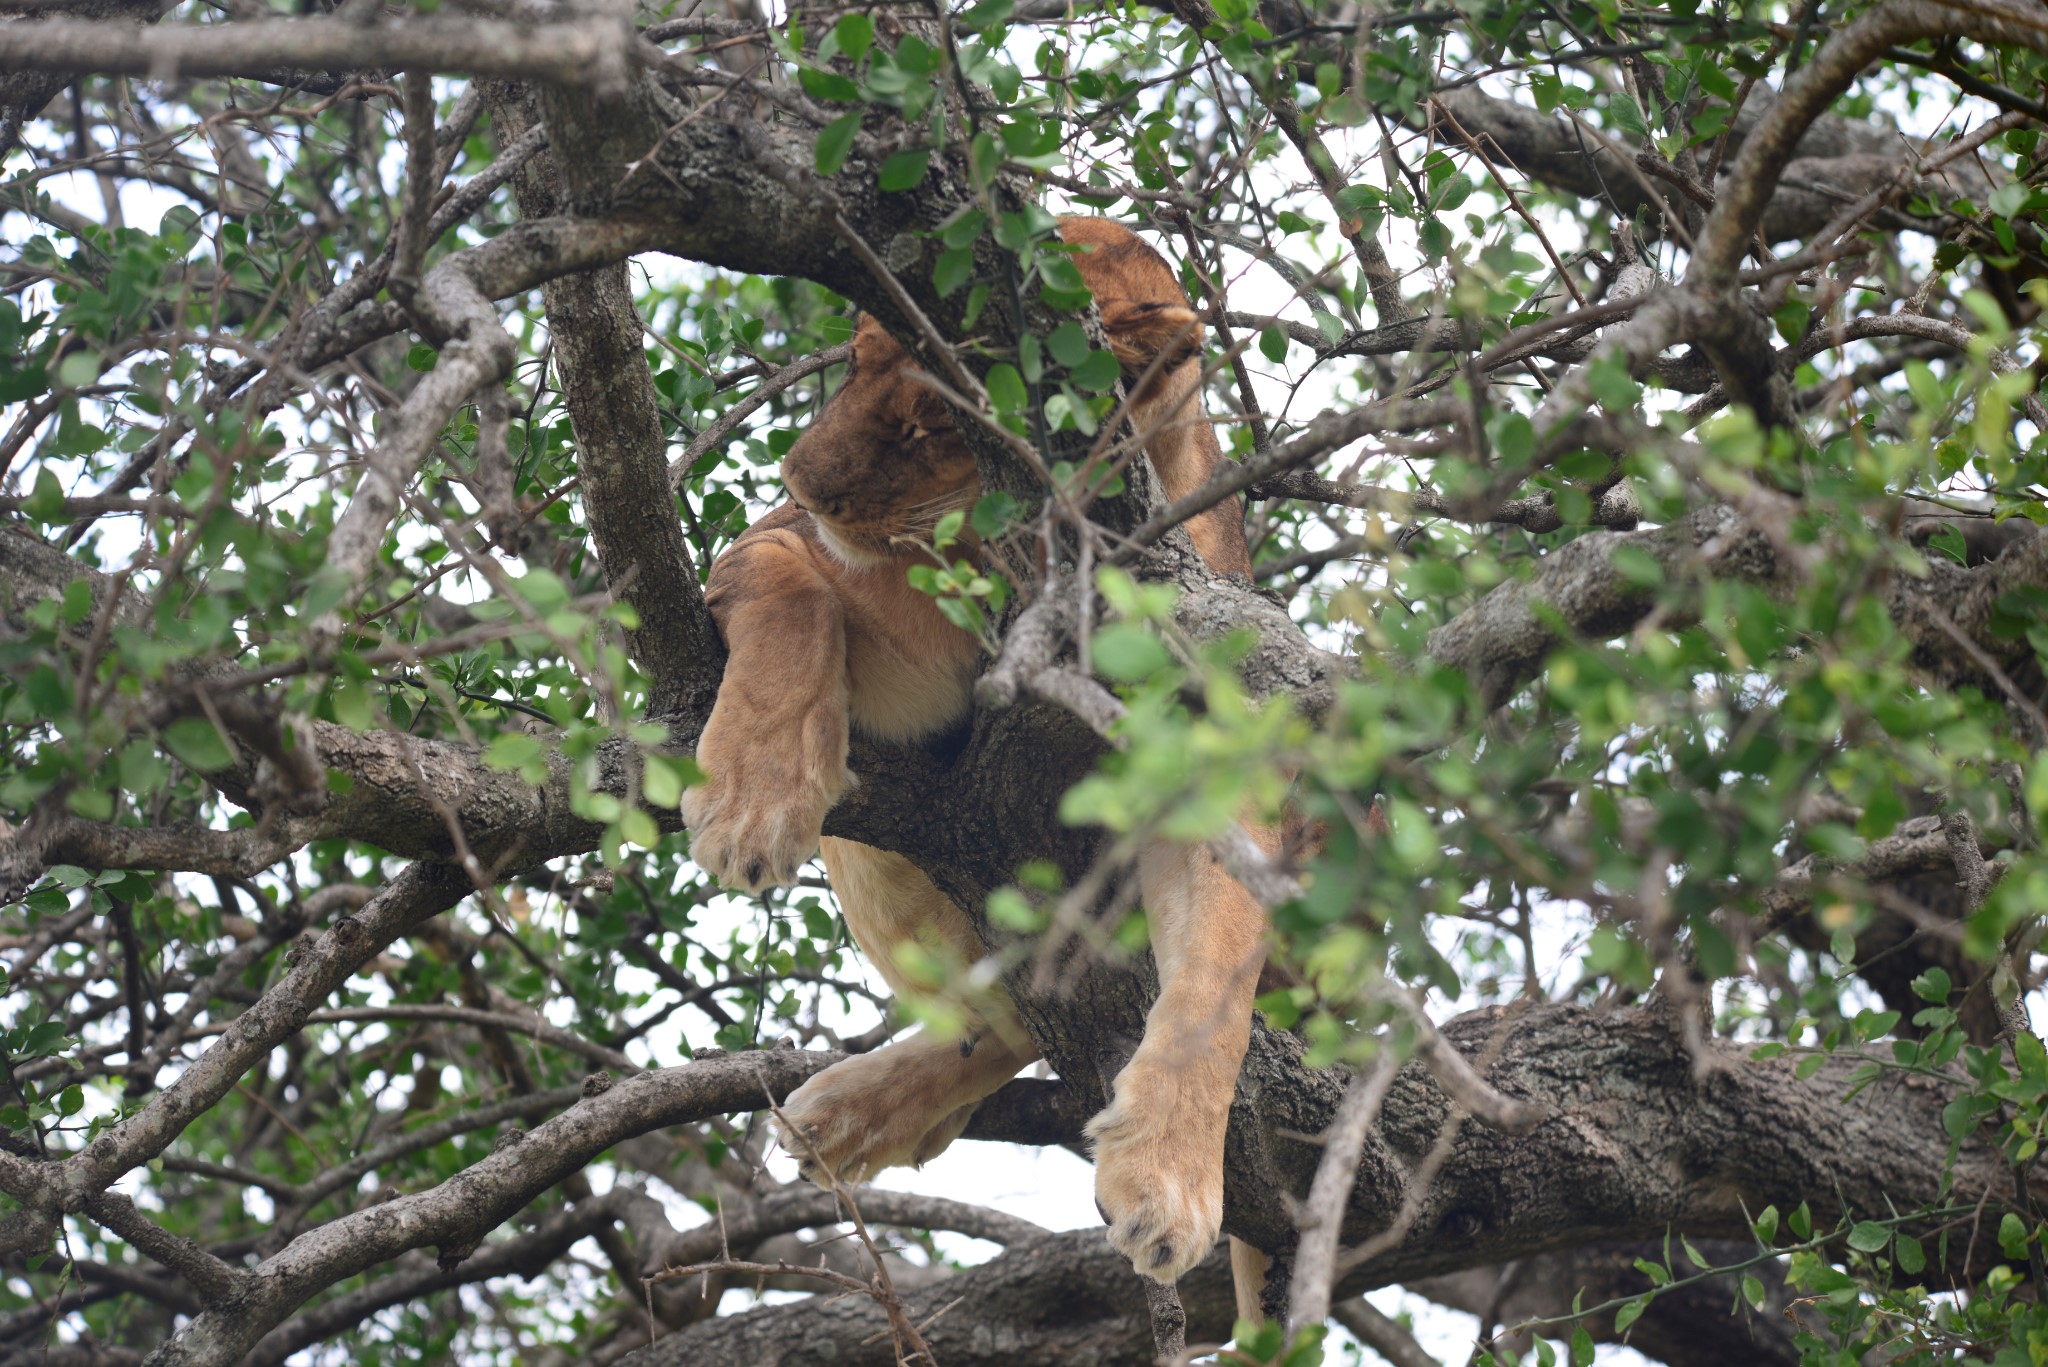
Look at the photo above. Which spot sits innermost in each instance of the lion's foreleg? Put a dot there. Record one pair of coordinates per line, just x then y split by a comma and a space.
774, 750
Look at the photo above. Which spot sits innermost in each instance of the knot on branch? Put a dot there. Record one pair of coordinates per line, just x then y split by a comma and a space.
448, 1257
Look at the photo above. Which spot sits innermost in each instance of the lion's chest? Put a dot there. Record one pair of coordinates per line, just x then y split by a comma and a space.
910, 672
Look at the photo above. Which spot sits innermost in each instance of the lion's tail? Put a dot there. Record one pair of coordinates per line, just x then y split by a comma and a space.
1248, 1275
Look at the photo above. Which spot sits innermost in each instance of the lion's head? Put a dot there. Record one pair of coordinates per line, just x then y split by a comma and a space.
883, 462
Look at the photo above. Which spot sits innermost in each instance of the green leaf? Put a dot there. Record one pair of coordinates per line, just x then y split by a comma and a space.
199, 744
1062, 279
1068, 344
1453, 192
1932, 986
951, 270
2012, 1236
1636, 565
1912, 1257
905, 170
1629, 1314
984, 159
827, 85
993, 513
511, 751
835, 140
1006, 388
638, 828
1753, 1291
1413, 835
1098, 372
856, 34
78, 369
1359, 198
1129, 654
1949, 541
1609, 380
1008, 909
1766, 1225
179, 221
1273, 344
2031, 1056
1627, 114
45, 1039
1869, 1237
1434, 237
965, 230
45, 502
661, 783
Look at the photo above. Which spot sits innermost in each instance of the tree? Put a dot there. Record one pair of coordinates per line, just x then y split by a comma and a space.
1650, 622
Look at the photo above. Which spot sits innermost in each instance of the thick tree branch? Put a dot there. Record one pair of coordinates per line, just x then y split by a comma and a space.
1502, 641
415, 1276
622, 455
1636, 1146
1753, 181
462, 1210
593, 51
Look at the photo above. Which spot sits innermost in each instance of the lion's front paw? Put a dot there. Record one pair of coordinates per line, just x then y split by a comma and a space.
848, 1123
1158, 1181
756, 818
749, 838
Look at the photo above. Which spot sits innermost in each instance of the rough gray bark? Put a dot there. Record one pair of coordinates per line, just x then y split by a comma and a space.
1067, 1298
623, 455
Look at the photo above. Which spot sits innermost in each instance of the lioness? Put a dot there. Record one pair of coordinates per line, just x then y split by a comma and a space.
826, 634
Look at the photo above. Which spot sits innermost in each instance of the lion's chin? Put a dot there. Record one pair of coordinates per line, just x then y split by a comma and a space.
850, 554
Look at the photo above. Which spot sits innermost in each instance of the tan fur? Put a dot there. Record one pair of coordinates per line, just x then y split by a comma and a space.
826, 637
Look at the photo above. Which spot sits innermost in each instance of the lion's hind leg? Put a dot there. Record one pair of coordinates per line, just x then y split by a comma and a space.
904, 1103
897, 1107
1159, 1143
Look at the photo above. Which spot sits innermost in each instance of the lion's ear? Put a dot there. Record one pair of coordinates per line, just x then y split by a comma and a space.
1139, 332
